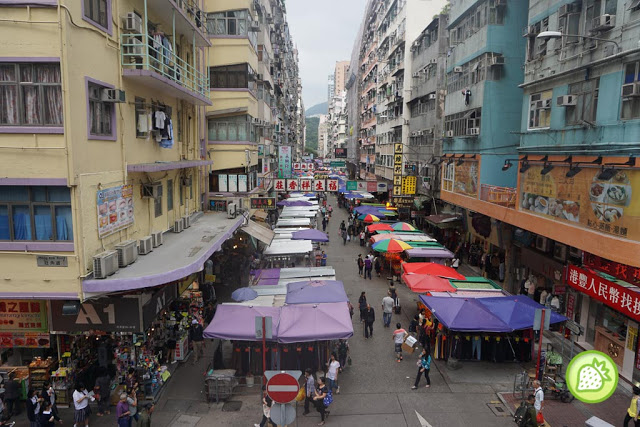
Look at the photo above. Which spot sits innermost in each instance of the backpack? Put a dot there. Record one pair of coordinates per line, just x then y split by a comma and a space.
521, 416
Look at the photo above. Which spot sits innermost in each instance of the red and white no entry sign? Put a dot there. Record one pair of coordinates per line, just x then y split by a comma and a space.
282, 388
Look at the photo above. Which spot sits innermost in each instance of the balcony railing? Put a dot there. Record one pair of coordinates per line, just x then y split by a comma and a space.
152, 56
503, 196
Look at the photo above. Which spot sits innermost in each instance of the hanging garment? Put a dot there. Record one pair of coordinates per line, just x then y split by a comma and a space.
168, 141
167, 51
476, 347
143, 123
157, 46
159, 119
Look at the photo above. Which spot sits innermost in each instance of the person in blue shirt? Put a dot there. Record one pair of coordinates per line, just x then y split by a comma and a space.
424, 365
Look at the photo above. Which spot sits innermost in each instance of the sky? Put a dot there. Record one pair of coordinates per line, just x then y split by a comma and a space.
324, 32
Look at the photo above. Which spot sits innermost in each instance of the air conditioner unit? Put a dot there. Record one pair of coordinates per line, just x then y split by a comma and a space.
178, 226
186, 221
186, 182
457, 69
543, 244
127, 252
157, 238
496, 60
269, 18
112, 95
546, 104
255, 120
603, 22
433, 61
575, 252
133, 22
254, 25
631, 90
133, 47
232, 212
151, 191
145, 245
529, 31
431, 96
414, 133
566, 100
415, 75
405, 121
560, 252
473, 131
448, 134
419, 133
105, 264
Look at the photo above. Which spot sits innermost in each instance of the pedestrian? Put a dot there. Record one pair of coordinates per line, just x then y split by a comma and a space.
81, 404
360, 263
123, 415
323, 259
324, 223
333, 367
424, 366
196, 334
33, 408
330, 210
368, 266
413, 326
47, 416
266, 412
350, 309
398, 338
50, 395
343, 233
362, 236
321, 392
538, 393
343, 226
392, 288
634, 408
145, 415
387, 310
529, 418
455, 262
132, 400
343, 353
377, 265
369, 318
362, 305
12, 396
103, 382
310, 388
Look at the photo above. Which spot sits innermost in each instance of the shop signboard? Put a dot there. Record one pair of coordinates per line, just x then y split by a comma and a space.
319, 185
304, 166
619, 271
382, 187
157, 303
372, 186
397, 169
280, 184
571, 305
105, 314
223, 183
409, 185
338, 164
23, 316
332, 185
265, 203
293, 185
306, 185
340, 153
352, 185
296, 166
284, 161
461, 179
260, 150
115, 209
624, 300
605, 206
403, 202
25, 339
361, 186
233, 183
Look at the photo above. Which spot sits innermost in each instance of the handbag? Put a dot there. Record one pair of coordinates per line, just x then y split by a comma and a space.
540, 418
301, 394
328, 399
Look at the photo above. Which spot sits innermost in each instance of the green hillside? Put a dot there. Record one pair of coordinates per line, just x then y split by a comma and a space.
311, 139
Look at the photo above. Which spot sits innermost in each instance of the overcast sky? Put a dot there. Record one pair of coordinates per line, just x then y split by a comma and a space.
324, 32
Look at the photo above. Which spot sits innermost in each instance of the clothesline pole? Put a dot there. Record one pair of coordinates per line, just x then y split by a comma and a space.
146, 36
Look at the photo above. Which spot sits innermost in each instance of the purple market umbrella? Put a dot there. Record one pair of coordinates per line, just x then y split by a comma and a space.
294, 203
244, 294
310, 234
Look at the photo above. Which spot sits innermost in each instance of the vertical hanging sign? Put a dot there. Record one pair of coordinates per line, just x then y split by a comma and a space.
284, 161
397, 168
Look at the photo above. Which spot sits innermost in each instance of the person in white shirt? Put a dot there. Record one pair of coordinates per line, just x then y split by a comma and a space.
539, 395
455, 262
332, 374
81, 403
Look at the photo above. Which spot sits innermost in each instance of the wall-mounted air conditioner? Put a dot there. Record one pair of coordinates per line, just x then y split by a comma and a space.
186, 221
145, 245
560, 252
232, 211
112, 95
603, 22
448, 134
127, 252
575, 252
433, 61
133, 22
158, 238
151, 191
431, 96
457, 69
543, 244
631, 90
566, 100
473, 131
178, 226
105, 264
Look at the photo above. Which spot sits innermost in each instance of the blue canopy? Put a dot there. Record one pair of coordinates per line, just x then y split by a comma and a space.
493, 314
244, 294
315, 291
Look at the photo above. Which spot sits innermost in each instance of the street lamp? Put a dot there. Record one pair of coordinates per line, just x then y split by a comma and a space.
547, 35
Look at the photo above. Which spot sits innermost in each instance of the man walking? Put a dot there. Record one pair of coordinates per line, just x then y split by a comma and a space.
11, 396
398, 338
539, 395
387, 309
324, 223
369, 318
360, 263
368, 266
310, 388
362, 236
197, 337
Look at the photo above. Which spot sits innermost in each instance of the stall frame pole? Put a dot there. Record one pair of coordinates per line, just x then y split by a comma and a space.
540, 345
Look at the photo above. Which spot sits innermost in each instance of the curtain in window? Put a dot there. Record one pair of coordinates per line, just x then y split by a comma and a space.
21, 223
8, 95
31, 105
42, 220
242, 132
64, 227
4, 223
233, 132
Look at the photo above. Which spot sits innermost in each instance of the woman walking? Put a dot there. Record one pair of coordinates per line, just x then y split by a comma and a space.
424, 366
362, 305
81, 403
321, 392
123, 413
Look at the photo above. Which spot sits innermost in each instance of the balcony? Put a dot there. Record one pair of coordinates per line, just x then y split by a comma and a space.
220, 132
502, 196
186, 16
160, 69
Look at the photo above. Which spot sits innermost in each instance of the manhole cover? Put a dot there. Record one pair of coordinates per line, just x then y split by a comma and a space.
498, 409
232, 406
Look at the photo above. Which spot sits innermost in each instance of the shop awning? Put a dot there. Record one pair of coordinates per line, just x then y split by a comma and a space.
431, 268
289, 247
443, 221
316, 291
237, 322
166, 166
427, 283
429, 253
314, 322
256, 230
180, 255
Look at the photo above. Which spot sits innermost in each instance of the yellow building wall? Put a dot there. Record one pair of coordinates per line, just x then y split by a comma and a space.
232, 156
220, 5
20, 274
223, 99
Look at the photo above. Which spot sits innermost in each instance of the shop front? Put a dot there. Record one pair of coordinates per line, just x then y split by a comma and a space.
545, 274
609, 311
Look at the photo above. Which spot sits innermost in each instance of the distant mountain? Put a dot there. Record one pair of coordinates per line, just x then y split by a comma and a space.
317, 109
312, 132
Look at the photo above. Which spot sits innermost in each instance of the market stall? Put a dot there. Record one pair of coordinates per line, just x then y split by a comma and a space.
288, 253
316, 291
436, 255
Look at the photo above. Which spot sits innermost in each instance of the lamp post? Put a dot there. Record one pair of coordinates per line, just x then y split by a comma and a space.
547, 35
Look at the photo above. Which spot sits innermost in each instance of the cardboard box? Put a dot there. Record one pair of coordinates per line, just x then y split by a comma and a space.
409, 345
407, 348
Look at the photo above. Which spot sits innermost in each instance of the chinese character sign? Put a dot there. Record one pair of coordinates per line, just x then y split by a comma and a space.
296, 166
332, 185
115, 209
303, 166
409, 185
280, 184
263, 203
624, 272
397, 168
622, 299
352, 185
319, 185
306, 185
293, 185
23, 316
284, 161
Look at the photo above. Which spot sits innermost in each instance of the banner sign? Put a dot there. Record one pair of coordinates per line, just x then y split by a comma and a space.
158, 301
25, 339
620, 271
319, 185
361, 186
242, 183
265, 203
409, 185
280, 184
605, 206
372, 186
332, 185
382, 187
293, 185
23, 316
340, 153
233, 183
223, 183
115, 209
352, 185
106, 315
623, 300
397, 168
284, 161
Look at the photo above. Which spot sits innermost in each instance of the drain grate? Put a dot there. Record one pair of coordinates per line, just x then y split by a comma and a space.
498, 409
232, 406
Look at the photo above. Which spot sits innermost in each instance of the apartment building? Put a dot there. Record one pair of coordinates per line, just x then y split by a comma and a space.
102, 161
331, 86
340, 75
253, 69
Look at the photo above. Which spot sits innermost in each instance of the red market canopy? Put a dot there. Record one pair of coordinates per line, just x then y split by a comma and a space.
368, 218
427, 283
431, 268
379, 227
403, 226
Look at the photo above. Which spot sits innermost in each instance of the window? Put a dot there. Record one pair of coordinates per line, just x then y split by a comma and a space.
142, 118
157, 203
540, 110
98, 12
631, 106
35, 213
587, 102
101, 114
234, 128
240, 76
231, 23
169, 195
448, 177
30, 94
459, 123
